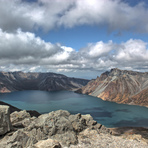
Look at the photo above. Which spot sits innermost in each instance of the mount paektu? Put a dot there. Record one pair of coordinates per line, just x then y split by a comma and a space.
121, 86
16, 81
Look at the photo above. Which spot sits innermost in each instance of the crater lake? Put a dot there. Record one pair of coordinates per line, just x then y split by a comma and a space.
107, 113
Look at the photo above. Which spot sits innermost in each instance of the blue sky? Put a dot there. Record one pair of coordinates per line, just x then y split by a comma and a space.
78, 38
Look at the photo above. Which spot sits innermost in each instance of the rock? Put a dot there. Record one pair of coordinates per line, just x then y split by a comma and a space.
20, 119
91, 139
67, 138
55, 124
89, 120
33, 113
81, 122
18, 139
59, 129
5, 124
120, 86
49, 143
78, 122
19, 116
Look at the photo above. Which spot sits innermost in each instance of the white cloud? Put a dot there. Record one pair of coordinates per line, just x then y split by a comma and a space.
50, 14
132, 50
99, 49
26, 52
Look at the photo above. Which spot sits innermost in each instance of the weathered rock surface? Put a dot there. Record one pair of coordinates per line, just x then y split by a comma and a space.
5, 124
20, 119
49, 143
58, 125
119, 86
91, 139
59, 129
15, 81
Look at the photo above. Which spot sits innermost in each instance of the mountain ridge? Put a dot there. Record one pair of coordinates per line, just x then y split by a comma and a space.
120, 86
15, 81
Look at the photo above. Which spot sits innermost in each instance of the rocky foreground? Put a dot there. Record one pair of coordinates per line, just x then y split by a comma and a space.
121, 86
59, 129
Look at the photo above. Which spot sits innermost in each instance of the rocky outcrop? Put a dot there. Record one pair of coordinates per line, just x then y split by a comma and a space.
49, 143
5, 124
13, 109
59, 125
15, 81
119, 86
20, 119
59, 129
91, 139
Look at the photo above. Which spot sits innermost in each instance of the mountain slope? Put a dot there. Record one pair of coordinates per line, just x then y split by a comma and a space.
120, 86
15, 81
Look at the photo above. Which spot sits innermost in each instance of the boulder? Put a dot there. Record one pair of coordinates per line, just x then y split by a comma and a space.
49, 143
5, 124
20, 119
78, 122
55, 124
18, 139
49, 130
81, 122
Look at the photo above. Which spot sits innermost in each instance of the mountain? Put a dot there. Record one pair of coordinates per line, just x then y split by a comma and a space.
15, 81
121, 86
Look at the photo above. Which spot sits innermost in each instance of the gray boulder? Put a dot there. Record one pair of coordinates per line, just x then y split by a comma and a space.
18, 139
49, 143
20, 119
5, 124
54, 125
60, 126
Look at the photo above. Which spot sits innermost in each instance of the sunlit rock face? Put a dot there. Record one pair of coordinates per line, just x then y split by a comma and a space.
5, 124
15, 81
120, 86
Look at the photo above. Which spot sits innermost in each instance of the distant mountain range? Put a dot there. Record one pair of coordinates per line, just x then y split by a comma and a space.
119, 86
16, 81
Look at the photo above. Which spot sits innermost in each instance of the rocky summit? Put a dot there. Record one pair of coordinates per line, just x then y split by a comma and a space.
119, 86
16, 81
60, 129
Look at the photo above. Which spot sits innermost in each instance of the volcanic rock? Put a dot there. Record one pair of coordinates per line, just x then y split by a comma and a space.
5, 124
119, 86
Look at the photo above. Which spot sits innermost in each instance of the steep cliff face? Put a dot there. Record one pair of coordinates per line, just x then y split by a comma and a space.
120, 86
15, 81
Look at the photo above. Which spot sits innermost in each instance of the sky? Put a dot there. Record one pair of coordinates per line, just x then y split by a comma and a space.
78, 38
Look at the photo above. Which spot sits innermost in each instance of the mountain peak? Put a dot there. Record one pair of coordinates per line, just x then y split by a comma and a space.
121, 86
115, 69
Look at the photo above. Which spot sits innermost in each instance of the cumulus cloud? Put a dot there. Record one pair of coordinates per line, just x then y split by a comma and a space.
25, 48
50, 14
26, 52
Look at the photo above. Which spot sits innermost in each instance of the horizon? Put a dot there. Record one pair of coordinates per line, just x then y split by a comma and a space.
72, 76
77, 38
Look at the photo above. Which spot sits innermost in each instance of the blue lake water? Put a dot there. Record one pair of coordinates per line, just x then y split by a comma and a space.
107, 113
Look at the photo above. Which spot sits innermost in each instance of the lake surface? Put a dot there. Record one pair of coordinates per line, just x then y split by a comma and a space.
107, 113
